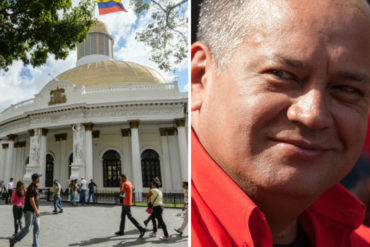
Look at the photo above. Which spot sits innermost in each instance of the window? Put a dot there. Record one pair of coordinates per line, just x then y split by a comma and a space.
49, 173
150, 167
111, 168
70, 161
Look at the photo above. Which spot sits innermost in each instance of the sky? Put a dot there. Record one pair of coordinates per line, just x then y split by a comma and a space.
21, 82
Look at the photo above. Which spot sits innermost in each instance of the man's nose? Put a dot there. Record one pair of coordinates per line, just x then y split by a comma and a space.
311, 109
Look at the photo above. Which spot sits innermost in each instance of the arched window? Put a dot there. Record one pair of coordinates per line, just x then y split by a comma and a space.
49, 173
70, 161
111, 168
150, 167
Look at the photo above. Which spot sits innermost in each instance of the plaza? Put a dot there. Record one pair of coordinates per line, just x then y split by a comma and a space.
92, 226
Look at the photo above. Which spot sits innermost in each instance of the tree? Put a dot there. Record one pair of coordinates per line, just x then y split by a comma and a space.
167, 33
30, 30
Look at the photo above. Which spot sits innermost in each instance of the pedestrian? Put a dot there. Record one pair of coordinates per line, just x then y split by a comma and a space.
57, 198
17, 200
32, 213
9, 190
126, 190
73, 189
83, 188
151, 216
155, 196
92, 188
180, 230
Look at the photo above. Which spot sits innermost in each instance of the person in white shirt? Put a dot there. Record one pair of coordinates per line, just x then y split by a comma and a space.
180, 230
83, 188
9, 190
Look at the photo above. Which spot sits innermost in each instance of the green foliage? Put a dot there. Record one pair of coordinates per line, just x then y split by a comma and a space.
30, 30
167, 33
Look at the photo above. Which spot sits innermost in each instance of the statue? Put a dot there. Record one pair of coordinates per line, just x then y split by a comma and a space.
78, 135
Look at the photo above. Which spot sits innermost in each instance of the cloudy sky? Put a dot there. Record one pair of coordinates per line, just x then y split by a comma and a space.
22, 82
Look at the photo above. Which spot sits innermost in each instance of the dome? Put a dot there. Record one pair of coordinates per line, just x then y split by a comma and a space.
100, 27
111, 73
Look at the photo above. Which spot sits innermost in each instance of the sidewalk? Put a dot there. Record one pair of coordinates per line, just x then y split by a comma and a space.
91, 226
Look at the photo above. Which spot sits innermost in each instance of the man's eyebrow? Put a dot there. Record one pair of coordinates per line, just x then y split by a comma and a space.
353, 76
291, 62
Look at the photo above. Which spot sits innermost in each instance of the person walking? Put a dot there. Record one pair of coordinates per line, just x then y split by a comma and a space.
17, 201
9, 190
92, 187
32, 213
180, 230
126, 190
57, 198
83, 188
155, 196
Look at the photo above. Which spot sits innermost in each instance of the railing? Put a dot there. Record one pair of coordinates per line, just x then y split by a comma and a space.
18, 105
170, 200
128, 87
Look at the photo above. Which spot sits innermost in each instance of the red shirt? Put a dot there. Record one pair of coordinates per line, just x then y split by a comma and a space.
127, 188
232, 219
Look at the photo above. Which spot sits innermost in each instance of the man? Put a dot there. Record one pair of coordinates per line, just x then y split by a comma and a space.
126, 190
280, 99
9, 190
92, 187
83, 188
181, 229
57, 198
32, 213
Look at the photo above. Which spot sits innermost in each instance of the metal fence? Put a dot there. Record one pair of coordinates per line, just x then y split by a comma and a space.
170, 200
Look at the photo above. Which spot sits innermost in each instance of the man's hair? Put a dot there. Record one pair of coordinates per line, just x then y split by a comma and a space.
123, 176
359, 173
222, 26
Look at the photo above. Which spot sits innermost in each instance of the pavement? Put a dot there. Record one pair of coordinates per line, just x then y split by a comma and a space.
92, 225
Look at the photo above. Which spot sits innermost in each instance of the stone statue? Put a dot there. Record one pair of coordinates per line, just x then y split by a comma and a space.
78, 134
35, 148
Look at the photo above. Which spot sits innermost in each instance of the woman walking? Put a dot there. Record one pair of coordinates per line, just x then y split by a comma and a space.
17, 201
155, 197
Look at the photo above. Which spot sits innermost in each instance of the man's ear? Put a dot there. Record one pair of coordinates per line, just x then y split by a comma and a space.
200, 60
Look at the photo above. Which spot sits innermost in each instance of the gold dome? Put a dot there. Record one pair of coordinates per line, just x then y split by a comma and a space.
100, 27
111, 73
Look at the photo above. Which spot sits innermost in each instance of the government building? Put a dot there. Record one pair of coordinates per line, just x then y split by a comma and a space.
99, 120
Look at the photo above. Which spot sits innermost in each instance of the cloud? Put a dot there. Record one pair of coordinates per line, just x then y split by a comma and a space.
23, 82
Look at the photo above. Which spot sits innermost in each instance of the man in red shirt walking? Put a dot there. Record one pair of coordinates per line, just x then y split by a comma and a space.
280, 96
126, 190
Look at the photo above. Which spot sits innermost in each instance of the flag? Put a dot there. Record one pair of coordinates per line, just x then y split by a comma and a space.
110, 6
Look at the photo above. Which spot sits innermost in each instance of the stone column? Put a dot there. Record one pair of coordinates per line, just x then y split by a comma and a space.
34, 157
79, 149
89, 151
5, 147
44, 133
98, 169
9, 158
63, 166
126, 166
183, 147
136, 160
2, 162
19, 160
174, 159
166, 161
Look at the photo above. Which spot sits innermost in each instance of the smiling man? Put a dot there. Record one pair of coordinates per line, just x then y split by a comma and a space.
280, 100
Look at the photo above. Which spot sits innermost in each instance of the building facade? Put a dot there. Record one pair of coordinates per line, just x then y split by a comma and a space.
99, 120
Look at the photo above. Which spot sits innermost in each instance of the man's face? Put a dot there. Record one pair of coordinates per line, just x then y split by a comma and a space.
288, 114
36, 181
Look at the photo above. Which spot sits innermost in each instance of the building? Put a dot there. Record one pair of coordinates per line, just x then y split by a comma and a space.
98, 120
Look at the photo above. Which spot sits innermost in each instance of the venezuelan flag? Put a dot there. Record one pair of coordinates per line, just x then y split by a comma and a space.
110, 6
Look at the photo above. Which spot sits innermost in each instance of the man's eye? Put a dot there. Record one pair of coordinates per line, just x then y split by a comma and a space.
348, 90
282, 75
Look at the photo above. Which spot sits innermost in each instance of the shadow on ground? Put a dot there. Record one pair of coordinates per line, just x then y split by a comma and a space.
131, 241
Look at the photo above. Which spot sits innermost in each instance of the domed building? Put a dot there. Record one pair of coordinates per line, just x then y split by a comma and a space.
99, 120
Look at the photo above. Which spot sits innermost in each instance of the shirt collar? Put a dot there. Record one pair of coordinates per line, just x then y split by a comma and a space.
237, 211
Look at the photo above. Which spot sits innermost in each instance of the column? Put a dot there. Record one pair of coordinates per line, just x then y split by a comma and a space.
98, 168
9, 158
166, 161
136, 163
44, 133
19, 160
63, 163
79, 150
5, 147
2, 163
89, 151
174, 159
126, 166
183, 149
57, 163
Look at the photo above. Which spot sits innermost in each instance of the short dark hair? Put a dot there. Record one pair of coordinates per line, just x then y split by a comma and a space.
359, 173
123, 176
185, 183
